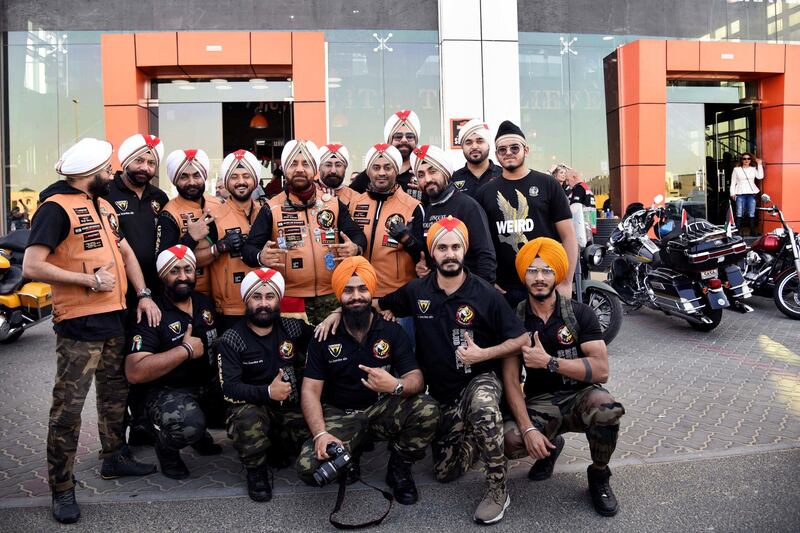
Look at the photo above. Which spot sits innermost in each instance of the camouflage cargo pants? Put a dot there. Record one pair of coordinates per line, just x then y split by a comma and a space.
256, 428
409, 424
319, 307
77, 363
176, 416
591, 410
472, 428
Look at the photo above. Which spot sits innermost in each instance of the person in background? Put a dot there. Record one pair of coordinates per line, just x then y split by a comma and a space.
743, 189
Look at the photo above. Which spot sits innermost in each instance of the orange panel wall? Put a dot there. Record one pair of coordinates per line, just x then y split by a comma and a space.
157, 49
770, 57
122, 121
683, 55
123, 84
725, 56
213, 48
310, 122
270, 48
308, 71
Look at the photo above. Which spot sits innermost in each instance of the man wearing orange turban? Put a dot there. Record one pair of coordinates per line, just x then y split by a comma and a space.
444, 226
564, 367
356, 367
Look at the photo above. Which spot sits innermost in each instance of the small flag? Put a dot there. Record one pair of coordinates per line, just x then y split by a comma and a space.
684, 216
730, 226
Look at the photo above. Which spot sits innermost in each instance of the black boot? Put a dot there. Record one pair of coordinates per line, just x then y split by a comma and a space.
753, 226
738, 221
206, 445
543, 468
259, 485
122, 464
603, 499
171, 463
399, 478
65, 508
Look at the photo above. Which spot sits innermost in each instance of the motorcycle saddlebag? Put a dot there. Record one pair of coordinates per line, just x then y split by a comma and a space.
36, 299
703, 246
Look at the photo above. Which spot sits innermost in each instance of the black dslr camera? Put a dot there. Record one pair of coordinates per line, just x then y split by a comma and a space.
331, 469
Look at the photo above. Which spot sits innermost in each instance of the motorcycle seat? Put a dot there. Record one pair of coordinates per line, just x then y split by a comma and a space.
12, 280
16, 241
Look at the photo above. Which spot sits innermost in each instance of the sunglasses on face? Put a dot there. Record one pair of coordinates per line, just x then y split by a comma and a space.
513, 149
745, 159
400, 136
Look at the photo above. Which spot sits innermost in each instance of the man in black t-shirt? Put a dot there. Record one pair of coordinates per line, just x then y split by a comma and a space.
479, 169
521, 205
260, 360
363, 382
579, 192
463, 327
564, 366
172, 360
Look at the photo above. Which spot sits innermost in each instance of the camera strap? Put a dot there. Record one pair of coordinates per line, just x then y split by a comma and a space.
340, 500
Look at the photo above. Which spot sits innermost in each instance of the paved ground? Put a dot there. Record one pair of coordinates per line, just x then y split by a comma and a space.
689, 395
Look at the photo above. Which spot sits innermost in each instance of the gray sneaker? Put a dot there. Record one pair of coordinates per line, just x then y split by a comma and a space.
492, 507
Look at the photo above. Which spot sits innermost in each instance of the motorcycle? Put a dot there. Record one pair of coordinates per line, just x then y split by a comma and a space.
598, 295
23, 303
772, 266
690, 272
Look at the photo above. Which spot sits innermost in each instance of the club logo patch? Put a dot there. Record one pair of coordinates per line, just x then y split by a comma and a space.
381, 349
175, 327
156, 206
286, 350
564, 336
136, 344
459, 184
533, 191
423, 305
335, 349
122, 205
112, 221
208, 318
397, 218
325, 219
465, 315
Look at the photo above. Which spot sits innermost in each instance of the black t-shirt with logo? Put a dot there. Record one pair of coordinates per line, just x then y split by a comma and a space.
441, 322
465, 181
581, 194
249, 362
138, 218
335, 361
519, 211
558, 341
169, 333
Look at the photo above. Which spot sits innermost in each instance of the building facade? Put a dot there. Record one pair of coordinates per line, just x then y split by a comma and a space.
641, 96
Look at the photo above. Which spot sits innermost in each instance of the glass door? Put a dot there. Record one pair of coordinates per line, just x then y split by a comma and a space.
686, 160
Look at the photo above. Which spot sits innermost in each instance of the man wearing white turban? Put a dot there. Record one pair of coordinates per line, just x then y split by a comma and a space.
171, 362
138, 203
333, 162
475, 140
402, 130
260, 359
187, 218
77, 246
303, 232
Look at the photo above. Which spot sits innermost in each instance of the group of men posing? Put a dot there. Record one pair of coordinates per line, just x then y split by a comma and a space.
441, 302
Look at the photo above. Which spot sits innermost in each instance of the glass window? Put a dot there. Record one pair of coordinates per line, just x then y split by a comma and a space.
54, 97
372, 74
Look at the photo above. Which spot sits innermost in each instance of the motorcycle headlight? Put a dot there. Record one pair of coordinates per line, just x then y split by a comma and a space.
594, 255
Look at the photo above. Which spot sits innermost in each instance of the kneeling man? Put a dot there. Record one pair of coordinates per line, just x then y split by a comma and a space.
564, 365
172, 359
364, 383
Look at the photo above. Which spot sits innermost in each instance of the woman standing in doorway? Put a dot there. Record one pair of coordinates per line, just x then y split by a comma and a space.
743, 188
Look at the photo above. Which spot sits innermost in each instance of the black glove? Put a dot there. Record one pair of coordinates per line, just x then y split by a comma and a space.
232, 242
399, 232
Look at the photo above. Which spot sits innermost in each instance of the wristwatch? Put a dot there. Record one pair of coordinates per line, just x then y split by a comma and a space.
398, 390
144, 293
552, 365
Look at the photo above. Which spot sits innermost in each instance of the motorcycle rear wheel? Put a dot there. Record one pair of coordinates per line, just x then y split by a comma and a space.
714, 314
786, 295
608, 309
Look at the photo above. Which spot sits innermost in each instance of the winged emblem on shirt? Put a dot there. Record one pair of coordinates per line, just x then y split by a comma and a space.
515, 218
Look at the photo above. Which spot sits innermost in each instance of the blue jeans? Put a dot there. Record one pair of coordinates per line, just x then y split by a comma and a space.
746, 201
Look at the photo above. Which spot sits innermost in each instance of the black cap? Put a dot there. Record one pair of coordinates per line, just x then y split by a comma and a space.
508, 128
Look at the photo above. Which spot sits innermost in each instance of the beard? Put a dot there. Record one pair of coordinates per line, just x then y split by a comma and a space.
542, 297
239, 197
332, 180
405, 150
262, 316
476, 157
511, 166
139, 177
450, 273
180, 291
99, 186
191, 192
356, 315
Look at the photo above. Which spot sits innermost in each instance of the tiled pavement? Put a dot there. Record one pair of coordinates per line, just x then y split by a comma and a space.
735, 390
